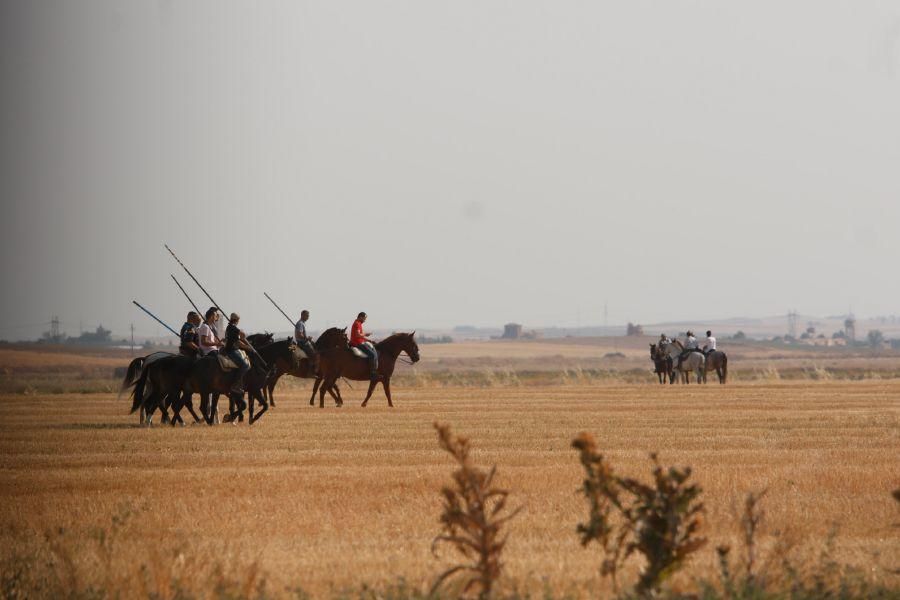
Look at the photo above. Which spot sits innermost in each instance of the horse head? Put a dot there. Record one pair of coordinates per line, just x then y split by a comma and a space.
412, 349
332, 338
296, 354
401, 342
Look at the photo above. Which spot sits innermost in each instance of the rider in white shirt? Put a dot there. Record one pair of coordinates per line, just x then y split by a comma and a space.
710, 345
207, 333
691, 342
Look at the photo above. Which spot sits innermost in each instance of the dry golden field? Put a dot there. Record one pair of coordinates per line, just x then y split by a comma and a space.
329, 500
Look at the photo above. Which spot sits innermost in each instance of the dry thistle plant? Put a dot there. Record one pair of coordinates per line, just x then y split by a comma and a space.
602, 493
473, 514
750, 522
659, 521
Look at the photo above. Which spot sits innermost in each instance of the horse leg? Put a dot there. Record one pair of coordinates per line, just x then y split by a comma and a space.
190, 405
175, 405
337, 399
340, 399
312, 399
386, 384
269, 388
251, 398
326, 385
372, 384
264, 406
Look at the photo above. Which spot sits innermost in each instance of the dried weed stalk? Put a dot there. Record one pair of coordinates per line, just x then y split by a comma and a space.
474, 511
659, 521
750, 522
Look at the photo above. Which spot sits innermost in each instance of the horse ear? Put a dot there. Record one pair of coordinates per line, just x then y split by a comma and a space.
413, 334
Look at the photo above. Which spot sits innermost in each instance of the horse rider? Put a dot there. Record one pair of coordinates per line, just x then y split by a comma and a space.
300, 336
690, 345
663, 340
360, 339
710, 346
234, 341
190, 340
209, 343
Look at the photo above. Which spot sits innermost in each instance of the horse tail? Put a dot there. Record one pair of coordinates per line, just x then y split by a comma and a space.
131, 375
137, 393
724, 367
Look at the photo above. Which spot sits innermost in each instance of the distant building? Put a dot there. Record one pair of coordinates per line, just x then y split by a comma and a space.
511, 331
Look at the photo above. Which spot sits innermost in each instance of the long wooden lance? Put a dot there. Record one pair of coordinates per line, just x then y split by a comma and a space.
216, 304
155, 318
278, 307
186, 296
200, 314
191, 275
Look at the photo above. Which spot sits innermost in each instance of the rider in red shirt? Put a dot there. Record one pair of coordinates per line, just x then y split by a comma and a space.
360, 339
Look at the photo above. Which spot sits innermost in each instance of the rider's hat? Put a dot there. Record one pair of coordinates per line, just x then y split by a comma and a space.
689, 332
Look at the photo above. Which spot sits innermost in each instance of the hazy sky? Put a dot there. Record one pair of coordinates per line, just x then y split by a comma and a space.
443, 163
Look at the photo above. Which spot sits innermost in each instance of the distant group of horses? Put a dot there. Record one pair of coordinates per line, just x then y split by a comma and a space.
669, 366
164, 381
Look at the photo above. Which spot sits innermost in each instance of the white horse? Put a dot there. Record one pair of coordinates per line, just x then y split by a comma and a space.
694, 362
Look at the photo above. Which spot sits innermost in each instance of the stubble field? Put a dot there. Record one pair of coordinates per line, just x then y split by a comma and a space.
330, 500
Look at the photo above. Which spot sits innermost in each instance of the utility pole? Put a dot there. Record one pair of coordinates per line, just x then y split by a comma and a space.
54, 330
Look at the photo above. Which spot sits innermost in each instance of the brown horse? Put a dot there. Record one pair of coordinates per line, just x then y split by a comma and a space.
717, 360
344, 363
662, 363
207, 378
330, 339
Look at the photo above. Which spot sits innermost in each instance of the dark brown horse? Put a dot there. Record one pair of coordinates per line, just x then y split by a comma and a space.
159, 385
132, 374
344, 363
662, 363
208, 379
258, 340
308, 368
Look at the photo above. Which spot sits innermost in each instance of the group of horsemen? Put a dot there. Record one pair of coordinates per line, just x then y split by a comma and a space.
199, 339
691, 345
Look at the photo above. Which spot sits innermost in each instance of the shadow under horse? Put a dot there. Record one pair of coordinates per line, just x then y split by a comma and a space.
344, 363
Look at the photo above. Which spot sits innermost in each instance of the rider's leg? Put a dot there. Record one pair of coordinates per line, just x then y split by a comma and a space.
370, 351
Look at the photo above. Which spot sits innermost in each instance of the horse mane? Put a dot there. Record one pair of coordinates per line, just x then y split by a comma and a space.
389, 340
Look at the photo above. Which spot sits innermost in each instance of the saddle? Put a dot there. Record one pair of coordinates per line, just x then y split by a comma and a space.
357, 352
225, 362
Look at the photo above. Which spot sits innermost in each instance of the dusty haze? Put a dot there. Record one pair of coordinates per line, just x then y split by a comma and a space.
445, 163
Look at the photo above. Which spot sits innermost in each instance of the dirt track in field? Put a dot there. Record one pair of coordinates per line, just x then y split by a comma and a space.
330, 499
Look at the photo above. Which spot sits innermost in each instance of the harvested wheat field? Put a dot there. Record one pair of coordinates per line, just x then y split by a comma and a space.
330, 500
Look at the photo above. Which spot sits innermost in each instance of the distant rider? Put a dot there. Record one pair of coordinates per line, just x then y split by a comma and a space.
234, 341
301, 337
690, 345
360, 339
190, 340
209, 343
710, 346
